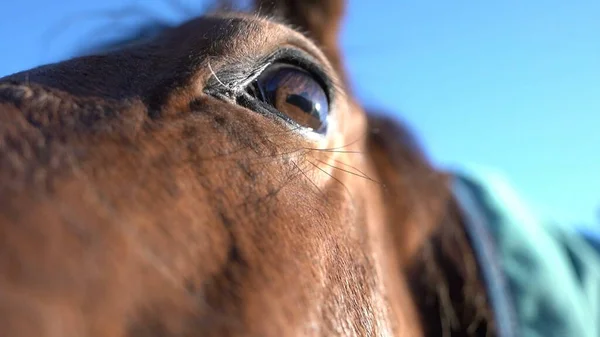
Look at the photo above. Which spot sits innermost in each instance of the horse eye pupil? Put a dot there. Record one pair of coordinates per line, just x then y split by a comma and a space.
300, 101
296, 94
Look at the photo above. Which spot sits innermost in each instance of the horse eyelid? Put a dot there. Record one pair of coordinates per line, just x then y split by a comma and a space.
234, 81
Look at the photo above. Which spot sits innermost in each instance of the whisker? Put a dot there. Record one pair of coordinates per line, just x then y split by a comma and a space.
311, 181
334, 151
349, 172
346, 145
336, 179
350, 166
287, 180
228, 156
242, 148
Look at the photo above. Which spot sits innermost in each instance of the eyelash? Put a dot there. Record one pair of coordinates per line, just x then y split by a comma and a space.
238, 83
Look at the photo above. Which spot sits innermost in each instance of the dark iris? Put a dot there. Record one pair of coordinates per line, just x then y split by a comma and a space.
295, 93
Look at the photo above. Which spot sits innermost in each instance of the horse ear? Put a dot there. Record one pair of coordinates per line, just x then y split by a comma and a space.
318, 19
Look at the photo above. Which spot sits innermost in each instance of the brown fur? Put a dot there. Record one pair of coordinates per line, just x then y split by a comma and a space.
132, 203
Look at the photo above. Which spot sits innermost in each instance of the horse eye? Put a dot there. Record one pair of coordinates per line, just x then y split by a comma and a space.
295, 93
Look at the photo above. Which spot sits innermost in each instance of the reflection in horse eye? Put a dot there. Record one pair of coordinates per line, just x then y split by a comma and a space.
297, 94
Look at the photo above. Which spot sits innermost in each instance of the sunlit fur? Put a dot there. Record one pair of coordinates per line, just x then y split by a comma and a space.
133, 203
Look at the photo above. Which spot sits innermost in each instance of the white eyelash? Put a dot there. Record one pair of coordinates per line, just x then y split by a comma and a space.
216, 77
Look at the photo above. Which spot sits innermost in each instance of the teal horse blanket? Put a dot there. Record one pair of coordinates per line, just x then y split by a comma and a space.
543, 279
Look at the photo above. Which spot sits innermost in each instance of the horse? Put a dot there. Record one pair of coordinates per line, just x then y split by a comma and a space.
220, 179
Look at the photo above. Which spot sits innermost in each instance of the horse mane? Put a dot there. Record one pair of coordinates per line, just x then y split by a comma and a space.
442, 273
151, 27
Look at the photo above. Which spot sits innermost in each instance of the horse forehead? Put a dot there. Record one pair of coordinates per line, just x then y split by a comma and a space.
239, 35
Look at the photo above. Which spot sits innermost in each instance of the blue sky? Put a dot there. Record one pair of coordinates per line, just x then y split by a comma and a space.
512, 85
